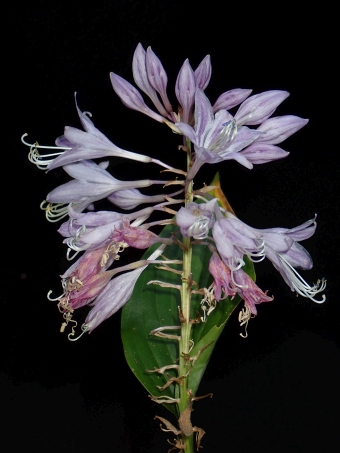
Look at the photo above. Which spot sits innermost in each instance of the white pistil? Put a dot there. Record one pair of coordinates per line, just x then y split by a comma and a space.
56, 298
42, 161
84, 328
301, 286
54, 211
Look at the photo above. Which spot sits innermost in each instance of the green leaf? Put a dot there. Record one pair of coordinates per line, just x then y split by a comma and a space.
152, 306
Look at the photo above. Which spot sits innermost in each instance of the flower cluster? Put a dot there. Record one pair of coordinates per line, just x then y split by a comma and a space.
237, 126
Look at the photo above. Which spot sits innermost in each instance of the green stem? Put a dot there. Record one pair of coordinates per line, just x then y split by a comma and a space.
184, 343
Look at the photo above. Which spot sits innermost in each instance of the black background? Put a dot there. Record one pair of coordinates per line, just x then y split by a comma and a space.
279, 388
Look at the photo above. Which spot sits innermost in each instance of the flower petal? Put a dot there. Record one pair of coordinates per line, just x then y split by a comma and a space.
259, 107
231, 98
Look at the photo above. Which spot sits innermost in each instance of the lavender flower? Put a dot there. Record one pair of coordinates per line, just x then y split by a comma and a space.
76, 145
92, 183
230, 99
215, 137
117, 292
131, 198
220, 136
151, 78
234, 238
249, 136
195, 220
185, 90
275, 130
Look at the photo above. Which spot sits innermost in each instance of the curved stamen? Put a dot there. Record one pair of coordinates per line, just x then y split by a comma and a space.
42, 161
255, 256
301, 286
225, 137
36, 145
234, 268
199, 229
54, 211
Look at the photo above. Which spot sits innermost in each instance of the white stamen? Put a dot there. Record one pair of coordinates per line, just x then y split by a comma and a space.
258, 255
199, 229
232, 268
72, 242
225, 137
301, 286
54, 211
42, 161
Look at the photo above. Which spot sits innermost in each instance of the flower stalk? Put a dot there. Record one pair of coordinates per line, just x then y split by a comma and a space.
184, 344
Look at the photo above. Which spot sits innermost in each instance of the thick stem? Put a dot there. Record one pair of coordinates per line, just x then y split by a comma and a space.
184, 344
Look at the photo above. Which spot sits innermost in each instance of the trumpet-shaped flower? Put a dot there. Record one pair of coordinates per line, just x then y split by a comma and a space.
117, 292
76, 145
220, 136
234, 238
91, 144
91, 183
215, 137
195, 220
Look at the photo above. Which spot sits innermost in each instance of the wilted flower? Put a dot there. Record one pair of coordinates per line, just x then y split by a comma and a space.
92, 229
136, 237
249, 291
116, 294
223, 285
87, 277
